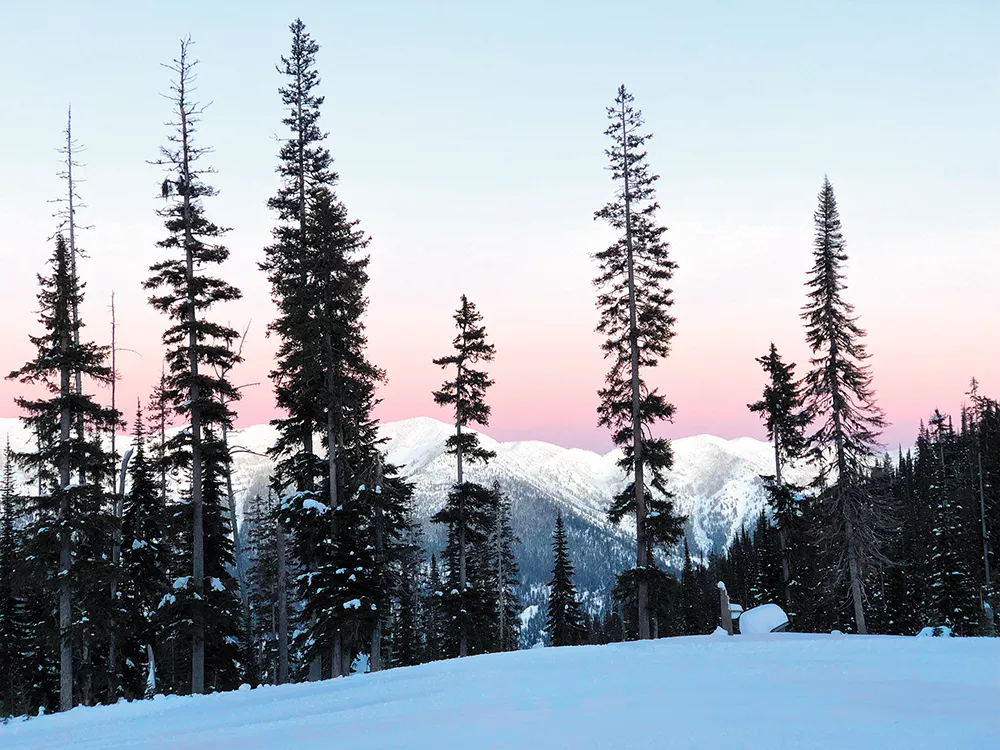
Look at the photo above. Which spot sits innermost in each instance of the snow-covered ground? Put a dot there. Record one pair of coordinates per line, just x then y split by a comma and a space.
773, 691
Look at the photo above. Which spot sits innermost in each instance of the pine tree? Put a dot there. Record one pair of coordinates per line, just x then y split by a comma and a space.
466, 510
839, 395
504, 573
196, 346
467, 604
565, 621
433, 613
70, 527
634, 304
785, 419
690, 614
143, 570
323, 379
466, 393
952, 593
15, 647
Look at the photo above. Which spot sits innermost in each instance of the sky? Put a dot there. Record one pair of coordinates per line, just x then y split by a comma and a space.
469, 142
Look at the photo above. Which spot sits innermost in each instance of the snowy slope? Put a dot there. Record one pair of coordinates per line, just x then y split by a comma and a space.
774, 691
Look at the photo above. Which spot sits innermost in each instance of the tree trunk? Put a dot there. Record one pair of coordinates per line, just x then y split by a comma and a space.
856, 591
194, 397
641, 559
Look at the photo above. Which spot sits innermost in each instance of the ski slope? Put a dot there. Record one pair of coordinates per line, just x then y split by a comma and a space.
770, 691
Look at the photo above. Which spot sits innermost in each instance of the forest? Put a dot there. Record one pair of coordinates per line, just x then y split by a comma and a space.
129, 574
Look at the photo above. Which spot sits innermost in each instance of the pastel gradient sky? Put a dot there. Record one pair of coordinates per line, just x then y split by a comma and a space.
469, 140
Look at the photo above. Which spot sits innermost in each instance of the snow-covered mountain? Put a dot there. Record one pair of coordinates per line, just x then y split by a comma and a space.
716, 483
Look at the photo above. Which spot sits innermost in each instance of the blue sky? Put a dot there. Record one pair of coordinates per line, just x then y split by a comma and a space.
469, 142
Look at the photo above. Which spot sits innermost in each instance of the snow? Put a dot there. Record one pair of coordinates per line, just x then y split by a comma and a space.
316, 505
935, 631
353, 604
781, 690
762, 619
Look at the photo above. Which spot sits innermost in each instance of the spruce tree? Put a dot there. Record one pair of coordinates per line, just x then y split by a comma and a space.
690, 614
504, 573
634, 303
953, 595
467, 508
15, 648
323, 379
262, 583
198, 349
565, 622
70, 527
840, 398
785, 419
143, 582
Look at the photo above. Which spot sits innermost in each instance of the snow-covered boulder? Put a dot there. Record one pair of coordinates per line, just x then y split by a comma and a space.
767, 618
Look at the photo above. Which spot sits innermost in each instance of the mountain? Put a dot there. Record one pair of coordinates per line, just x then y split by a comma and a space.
715, 482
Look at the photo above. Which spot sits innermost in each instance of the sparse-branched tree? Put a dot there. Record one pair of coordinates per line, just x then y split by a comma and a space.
634, 301
198, 349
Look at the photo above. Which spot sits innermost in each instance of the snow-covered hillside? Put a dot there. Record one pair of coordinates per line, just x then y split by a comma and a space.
773, 691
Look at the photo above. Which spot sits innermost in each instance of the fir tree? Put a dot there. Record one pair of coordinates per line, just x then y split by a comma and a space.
565, 621
70, 528
262, 578
196, 346
840, 397
504, 573
634, 303
143, 570
690, 610
466, 393
785, 419
466, 510
15, 648
323, 379
467, 606
952, 592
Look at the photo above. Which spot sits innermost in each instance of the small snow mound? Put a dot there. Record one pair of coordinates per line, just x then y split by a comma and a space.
767, 618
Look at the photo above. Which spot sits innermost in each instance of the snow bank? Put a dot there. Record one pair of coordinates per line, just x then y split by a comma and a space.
785, 690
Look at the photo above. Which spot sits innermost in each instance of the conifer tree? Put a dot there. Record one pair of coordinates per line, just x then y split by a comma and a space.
467, 509
504, 573
197, 349
565, 622
785, 419
690, 619
323, 379
634, 303
143, 569
466, 393
433, 613
70, 525
952, 592
15, 648
840, 398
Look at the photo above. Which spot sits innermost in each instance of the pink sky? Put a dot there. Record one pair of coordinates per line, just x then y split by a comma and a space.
470, 146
